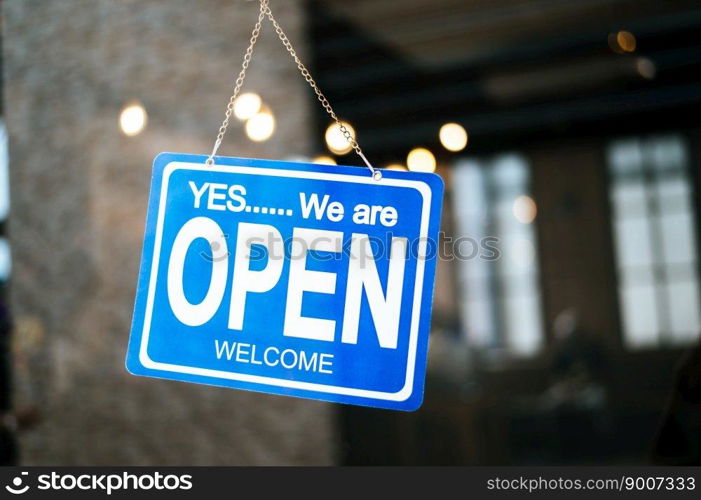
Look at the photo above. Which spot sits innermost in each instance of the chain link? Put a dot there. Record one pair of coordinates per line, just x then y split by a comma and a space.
266, 12
239, 82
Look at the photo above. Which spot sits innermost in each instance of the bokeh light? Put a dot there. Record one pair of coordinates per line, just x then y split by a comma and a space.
260, 127
132, 119
524, 209
622, 41
646, 68
626, 41
247, 105
324, 160
421, 160
336, 141
453, 137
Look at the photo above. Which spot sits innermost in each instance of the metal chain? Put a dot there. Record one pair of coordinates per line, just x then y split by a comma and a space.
239, 82
265, 11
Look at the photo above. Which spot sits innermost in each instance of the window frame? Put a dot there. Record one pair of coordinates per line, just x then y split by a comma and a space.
665, 340
499, 348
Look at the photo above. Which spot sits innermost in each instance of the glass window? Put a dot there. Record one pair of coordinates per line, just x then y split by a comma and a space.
500, 296
655, 241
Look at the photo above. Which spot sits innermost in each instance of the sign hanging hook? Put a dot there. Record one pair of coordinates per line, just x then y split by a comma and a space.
263, 13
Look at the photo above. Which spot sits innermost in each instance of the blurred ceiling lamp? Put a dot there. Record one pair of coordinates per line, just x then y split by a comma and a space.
260, 127
395, 166
524, 209
132, 119
247, 105
626, 41
336, 141
421, 160
453, 136
622, 41
646, 68
324, 160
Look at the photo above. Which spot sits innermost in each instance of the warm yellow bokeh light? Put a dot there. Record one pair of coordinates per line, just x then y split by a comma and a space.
260, 127
247, 105
421, 160
524, 209
626, 41
324, 160
395, 166
622, 42
335, 139
453, 137
132, 119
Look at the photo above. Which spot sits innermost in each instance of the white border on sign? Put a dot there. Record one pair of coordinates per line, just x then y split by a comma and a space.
402, 395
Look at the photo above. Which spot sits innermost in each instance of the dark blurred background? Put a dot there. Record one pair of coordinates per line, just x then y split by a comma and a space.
566, 317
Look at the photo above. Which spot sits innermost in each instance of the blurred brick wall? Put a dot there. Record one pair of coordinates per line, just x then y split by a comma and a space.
79, 190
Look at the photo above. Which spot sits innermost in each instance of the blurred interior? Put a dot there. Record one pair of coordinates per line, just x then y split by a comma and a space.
583, 161
567, 303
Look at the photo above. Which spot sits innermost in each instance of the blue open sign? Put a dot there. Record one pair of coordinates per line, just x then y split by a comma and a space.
299, 279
